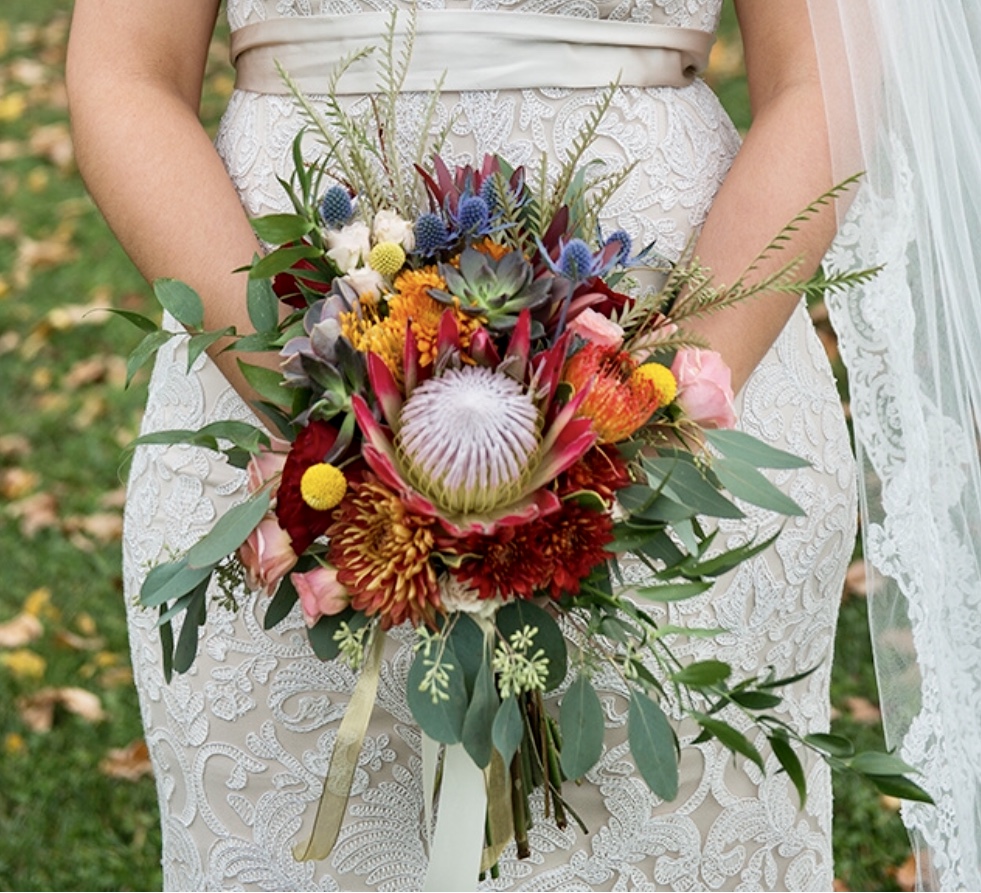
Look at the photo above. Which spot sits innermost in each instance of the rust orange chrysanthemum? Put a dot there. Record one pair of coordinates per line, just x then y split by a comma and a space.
618, 401
382, 555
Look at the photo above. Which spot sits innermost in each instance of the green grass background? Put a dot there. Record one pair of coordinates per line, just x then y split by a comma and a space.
64, 823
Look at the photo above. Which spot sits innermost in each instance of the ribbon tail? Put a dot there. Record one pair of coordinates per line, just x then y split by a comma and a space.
430, 758
500, 820
454, 861
344, 759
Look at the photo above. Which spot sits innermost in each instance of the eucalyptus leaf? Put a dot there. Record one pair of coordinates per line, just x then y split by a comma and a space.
582, 727
280, 260
898, 786
137, 319
263, 306
739, 445
833, 745
281, 604
672, 592
199, 343
653, 746
791, 764
689, 486
321, 634
756, 700
171, 580
231, 530
466, 640
726, 561
876, 763
746, 483
732, 738
478, 724
518, 614
508, 730
441, 717
280, 228
145, 351
167, 645
267, 383
187, 640
180, 301
702, 673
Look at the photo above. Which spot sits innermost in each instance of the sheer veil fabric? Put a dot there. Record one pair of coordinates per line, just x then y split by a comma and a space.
903, 90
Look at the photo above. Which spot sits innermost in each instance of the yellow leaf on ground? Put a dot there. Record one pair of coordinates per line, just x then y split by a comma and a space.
12, 106
23, 663
863, 711
13, 744
15, 483
129, 763
38, 603
35, 513
20, 631
67, 639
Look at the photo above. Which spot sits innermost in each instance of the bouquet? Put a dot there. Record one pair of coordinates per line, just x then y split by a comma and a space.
479, 403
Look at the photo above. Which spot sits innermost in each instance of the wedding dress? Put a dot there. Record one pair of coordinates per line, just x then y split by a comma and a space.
240, 744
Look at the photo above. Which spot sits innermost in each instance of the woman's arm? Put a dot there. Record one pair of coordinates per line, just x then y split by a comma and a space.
783, 165
134, 72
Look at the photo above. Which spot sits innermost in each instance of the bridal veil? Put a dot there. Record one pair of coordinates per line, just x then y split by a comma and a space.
903, 92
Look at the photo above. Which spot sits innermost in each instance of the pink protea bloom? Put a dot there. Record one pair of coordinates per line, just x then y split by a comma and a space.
704, 387
267, 555
475, 446
320, 593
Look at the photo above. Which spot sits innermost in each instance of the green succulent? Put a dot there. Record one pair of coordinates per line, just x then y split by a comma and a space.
497, 290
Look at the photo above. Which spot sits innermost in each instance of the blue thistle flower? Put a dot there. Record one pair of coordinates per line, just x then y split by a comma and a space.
488, 192
431, 234
576, 260
336, 207
473, 215
626, 244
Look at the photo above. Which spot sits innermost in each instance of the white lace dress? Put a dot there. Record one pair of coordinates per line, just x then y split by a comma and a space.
241, 743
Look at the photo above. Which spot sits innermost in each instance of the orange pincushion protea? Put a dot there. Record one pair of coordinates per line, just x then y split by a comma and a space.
621, 396
381, 551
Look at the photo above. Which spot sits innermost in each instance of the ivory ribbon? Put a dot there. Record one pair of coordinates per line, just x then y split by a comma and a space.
344, 759
455, 856
469, 50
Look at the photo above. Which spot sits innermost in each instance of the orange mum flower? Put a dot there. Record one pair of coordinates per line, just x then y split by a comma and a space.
620, 400
381, 552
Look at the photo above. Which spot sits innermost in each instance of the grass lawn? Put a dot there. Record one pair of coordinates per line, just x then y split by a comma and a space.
77, 804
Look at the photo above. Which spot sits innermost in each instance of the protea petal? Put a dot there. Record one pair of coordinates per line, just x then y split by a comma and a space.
534, 505
412, 370
448, 338
573, 442
386, 390
519, 348
483, 350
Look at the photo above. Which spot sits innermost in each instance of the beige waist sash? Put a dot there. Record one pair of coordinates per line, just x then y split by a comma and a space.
474, 50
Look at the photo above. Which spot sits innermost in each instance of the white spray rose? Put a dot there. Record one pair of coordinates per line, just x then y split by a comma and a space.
350, 246
368, 283
389, 227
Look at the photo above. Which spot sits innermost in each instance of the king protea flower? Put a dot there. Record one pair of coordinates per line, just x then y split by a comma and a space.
477, 445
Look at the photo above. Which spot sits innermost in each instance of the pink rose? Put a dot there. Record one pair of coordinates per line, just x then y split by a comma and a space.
267, 464
320, 593
597, 329
704, 387
267, 555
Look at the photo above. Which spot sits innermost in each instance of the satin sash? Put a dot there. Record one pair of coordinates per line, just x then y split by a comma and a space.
470, 50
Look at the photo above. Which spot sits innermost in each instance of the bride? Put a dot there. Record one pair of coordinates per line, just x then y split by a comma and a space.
240, 743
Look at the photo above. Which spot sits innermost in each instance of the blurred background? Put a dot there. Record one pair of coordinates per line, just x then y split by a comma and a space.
77, 801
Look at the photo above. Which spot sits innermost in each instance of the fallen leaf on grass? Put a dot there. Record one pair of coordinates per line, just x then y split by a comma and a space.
129, 763
856, 581
20, 631
98, 529
16, 483
840, 885
53, 143
35, 254
24, 663
38, 710
35, 513
863, 711
892, 804
101, 369
905, 874
67, 639
14, 446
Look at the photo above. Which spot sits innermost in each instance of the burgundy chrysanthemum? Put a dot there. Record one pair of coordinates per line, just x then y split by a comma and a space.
553, 554
382, 554
602, 471
303, 523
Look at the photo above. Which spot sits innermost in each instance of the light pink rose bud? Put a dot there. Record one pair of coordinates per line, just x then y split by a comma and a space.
320, 593
266, 464
596, 328
267, 555
704, 387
